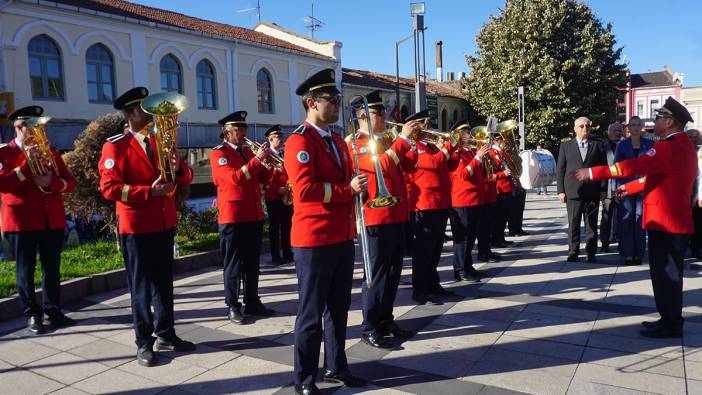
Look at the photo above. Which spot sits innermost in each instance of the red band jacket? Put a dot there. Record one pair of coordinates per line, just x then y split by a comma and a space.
238, 183
25, 207
670, 167
428, 184
467, 181
322, 195
126, 176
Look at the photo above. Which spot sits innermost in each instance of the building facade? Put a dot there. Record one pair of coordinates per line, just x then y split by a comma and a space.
646, 92
692, 99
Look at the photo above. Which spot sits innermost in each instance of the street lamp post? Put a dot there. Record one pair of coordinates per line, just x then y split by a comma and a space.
397, 69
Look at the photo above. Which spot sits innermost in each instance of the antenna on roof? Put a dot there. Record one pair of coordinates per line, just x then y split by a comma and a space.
314, 23
257, 9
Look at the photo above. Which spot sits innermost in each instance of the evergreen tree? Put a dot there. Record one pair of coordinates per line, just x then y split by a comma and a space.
564, 57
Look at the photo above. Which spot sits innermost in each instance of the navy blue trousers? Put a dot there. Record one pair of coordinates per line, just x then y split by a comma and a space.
280, 222
632, 237
148, 258
385, 245
428, 227
666, 253
503, 205
240, 244
486, 219
26, 245
464, 227
324, 276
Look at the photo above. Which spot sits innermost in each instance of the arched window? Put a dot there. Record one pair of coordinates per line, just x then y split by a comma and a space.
264, 85
206, 97
455, 115
45, 71
100, 71
171, 77
444, 120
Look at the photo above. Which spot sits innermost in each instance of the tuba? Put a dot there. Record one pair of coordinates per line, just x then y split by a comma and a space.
481, 134
42, 161
166, 106
512, 159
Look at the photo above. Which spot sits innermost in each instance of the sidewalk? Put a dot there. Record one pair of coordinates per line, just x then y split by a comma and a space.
536, 324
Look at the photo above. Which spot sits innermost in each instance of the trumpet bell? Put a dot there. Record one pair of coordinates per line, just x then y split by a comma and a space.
164, 103
480, 132
38, 121
384, 201
507, 125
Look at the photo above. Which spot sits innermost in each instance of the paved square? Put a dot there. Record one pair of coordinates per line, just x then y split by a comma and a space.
535, 324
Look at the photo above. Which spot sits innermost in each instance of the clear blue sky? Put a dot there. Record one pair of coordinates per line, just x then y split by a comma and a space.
653, 33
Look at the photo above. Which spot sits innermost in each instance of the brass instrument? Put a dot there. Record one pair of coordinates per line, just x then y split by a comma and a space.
272, 161
287, 199
428, 136
42, 159
482, 134
166, 106
512, 159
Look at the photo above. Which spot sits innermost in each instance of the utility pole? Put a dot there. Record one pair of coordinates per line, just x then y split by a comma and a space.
520, 116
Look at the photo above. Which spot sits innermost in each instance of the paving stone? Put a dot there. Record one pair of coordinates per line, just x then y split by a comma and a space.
545, 309
118, 381
21, 381
64, 341
21, 351
640, 381
66, 368
368, 390
694, 387
69, 391
583, 388
106, 352
693, 370
632, 363
203, 356
167, 371
243, 374
522, 372
541, 347
639, 345
549, 327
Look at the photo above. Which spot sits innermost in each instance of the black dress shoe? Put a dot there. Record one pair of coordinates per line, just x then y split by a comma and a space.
375, 339
604, 249
235, 316
661, 332
258, 309
472, 272
572, 258
651, 324
146, 356
289, 257
522, 233
35, 325
499, 244
591, 258
637, 260
394, 330
458, 276
306, 389
426, 299
56, 319
174, 344
491, 258
345, 377
277, 262
442, 291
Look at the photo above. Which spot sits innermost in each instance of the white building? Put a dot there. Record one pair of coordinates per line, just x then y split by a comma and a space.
692, 99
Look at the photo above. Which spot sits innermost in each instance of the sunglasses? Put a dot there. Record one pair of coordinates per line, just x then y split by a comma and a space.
378, 113
331, 99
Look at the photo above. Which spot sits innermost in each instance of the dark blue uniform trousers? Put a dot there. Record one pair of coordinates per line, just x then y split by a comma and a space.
486, 219
503, 205
385, 245
464, 227
428, 227
324, 276
666, 253
148, 258
240, 244
26, 245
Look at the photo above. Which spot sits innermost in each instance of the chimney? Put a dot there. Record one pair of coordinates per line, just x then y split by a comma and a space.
449, 76
439, 66
461, 75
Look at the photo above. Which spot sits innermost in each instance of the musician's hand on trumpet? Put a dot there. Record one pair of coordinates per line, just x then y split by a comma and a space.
410, 128
359, 183
481, 152
263, 152
161, 188
175, 161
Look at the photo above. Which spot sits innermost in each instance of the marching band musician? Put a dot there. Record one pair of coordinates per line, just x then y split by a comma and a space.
467, 196
505, 189
278, 197
385, 226
320, 172
146, 217
487, 212
238, 174
429, 198
669, 168
33, 220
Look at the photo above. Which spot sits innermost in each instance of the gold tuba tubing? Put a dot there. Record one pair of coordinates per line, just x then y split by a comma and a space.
166, 106
512, 159
43, 159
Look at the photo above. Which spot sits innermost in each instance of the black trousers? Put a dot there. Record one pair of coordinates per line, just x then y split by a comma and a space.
465, 232
696, 240
486, 218
608, 223
503, 205
148, 258
428, 227
240, 244
26, 245
666, 254
409, 236
280, 222
324, 276
385, 245
577, 210
515, 218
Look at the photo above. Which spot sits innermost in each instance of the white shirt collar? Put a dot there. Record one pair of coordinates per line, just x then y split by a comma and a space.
580, 142
18, 142
497, 148
233, 145
273, 150
319, 130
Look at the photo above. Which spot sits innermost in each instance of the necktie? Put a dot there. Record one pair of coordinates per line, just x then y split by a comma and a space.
583, 150
149, 152
240, 150
330, 143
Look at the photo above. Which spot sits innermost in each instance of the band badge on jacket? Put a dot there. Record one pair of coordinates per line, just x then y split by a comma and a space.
109, 163
303, 157
222, 161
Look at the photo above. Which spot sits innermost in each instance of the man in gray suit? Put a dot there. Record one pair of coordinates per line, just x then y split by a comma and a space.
582, 198
608, 223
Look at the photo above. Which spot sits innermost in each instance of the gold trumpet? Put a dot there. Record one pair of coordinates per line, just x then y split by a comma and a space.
272, 161
40, 161
424, 135
166, 106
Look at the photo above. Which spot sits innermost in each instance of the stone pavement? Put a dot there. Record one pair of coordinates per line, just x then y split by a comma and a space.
536, 324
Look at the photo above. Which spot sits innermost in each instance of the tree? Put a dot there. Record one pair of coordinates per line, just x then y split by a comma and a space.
564, 57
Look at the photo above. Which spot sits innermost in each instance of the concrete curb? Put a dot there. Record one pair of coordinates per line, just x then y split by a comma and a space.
81, 287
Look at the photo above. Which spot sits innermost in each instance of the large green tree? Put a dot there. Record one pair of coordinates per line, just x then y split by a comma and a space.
564, 57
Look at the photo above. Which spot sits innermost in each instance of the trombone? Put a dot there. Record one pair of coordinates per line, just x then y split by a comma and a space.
166, 106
